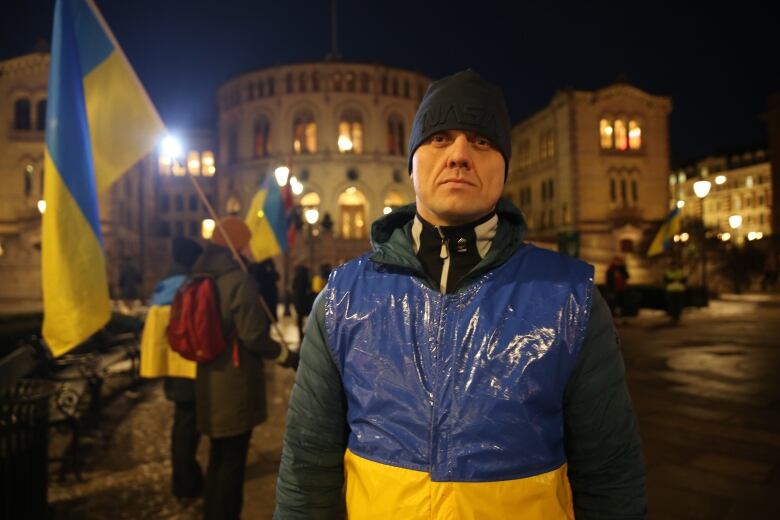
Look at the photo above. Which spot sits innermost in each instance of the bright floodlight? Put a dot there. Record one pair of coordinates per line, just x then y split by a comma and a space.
684, 237
387, 210
281, 173
344, 143
312, 215
680, 204
42, 206
720, 179
735, 221
751, 235
725, 237
171, 147
702, 188
296, 186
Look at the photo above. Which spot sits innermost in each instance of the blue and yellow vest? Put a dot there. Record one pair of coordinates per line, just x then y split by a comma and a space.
455, 401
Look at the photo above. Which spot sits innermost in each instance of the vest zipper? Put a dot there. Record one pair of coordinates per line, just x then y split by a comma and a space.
444, 254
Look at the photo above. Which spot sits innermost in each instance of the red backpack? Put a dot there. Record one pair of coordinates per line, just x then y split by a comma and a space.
195, 326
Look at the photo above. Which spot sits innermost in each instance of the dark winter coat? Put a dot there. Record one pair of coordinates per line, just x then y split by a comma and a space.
231, 400
605, 465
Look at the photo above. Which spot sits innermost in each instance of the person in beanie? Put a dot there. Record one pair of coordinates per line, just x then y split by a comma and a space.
457, 371
157, 359
230, 395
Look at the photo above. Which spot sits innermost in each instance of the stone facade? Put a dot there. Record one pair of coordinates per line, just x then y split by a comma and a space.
342, 128
741, 185
591, 168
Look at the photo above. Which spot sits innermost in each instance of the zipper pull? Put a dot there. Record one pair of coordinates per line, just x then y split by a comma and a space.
444, 253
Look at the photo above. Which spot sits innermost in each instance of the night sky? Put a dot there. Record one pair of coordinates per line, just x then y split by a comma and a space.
717, 62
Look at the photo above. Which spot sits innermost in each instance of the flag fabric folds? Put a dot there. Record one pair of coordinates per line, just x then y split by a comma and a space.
663, 239
267, 220
99, 123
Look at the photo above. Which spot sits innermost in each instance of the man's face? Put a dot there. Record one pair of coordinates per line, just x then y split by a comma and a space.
458, 177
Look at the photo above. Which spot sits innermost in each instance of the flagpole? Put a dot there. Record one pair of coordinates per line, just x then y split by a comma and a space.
236, 255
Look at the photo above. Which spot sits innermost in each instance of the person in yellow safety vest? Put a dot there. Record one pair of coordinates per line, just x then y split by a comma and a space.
158, 360
674, 278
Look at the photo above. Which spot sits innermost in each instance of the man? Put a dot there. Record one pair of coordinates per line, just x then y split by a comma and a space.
158, 360
230, 390
457, 372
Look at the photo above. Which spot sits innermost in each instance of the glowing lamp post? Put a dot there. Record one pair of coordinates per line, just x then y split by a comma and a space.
702, 189
312, 215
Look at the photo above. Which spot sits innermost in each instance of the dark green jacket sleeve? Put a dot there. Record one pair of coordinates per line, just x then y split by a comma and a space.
606, 468
311, 474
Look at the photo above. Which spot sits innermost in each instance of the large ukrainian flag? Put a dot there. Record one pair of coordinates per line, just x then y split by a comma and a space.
267, 220
663, 239
99, 123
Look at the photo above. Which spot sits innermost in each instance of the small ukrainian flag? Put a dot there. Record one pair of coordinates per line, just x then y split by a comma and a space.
663, 239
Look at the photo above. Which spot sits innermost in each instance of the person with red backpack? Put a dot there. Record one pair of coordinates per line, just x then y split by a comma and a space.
230, 385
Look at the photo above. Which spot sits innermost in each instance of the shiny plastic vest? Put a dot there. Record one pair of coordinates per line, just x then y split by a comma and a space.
467, 387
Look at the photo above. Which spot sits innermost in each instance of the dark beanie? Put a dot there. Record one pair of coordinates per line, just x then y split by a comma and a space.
185, 251
463, 101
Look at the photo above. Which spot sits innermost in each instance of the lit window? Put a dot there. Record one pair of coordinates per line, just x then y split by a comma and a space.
208, 167
304, 133
233, 206
606, 131
193, 162
621, 135
262, 137
352, 206
394, 200
634, 135
351, 132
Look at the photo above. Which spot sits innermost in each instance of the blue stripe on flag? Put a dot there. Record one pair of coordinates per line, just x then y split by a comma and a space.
94, 46
274, 211
67, 135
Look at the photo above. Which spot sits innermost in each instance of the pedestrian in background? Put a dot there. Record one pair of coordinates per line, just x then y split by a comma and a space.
266, 276
617, 286
302, 296
230, 393
157, 360
674, 281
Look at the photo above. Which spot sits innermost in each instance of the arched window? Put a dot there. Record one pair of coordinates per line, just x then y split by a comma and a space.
178, 203
261, 88
351, 82
233, 206
395, 86
193, 203
384, 85
406, 88
352, 209
351, 132
634, 135
365, 83
606, 131
337, 82
302, 82
621, 135
40, 115
393, 200
304, 133
315, 81
289, 83
22, 114
395, 135
262, 137
165, 203
28, 180
310, 201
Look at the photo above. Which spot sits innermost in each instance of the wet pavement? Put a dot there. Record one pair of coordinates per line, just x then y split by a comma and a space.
706, 393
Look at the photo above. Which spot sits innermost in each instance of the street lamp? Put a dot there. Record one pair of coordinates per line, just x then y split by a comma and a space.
282, 173
702, 189
312, 215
